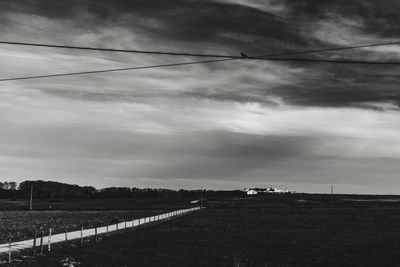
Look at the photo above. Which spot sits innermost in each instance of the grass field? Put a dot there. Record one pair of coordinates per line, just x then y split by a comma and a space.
295, 230
21, 224
94, 204
74, 214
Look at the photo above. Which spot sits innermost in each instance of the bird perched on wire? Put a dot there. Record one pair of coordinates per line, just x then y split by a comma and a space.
243, 55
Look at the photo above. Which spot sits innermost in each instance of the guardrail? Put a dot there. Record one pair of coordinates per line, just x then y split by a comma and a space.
47, 241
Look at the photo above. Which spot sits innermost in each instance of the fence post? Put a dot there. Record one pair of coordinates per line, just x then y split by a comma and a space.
116, 226
66, 234
81, 235
41, 242
49, 241
34, 244
133, 223
107, 231
125, 224
9, 247
95, 234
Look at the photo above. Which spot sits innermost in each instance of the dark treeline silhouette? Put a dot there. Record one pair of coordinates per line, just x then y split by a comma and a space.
48, 189
56, 190
8, 189
8, 185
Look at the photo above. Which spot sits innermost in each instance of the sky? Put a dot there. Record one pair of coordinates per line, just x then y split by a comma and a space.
226, 125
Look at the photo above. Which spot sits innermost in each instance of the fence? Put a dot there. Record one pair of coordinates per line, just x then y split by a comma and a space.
46, 241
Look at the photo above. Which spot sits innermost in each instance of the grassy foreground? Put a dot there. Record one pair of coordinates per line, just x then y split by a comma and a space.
297, 230
74, 214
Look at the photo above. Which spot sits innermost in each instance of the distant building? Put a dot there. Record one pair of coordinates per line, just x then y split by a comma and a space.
251, 192
271, 190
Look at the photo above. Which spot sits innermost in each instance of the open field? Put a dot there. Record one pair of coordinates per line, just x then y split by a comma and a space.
74, 214
94, 204
21, 224
292, 230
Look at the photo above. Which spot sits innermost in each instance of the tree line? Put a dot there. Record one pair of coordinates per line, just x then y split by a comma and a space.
54, 190
8, 189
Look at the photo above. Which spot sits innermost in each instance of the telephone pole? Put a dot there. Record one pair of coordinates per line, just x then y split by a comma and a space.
31, 199
201, 198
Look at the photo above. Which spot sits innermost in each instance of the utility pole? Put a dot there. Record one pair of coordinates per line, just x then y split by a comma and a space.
201, 198
31, 200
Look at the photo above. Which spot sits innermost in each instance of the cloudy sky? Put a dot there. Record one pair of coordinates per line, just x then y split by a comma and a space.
225, 125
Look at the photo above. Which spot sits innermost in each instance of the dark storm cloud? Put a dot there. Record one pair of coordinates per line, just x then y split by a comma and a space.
200, 20
231, 27
182, 20
381, 17
226, 154
184, 155
342, 87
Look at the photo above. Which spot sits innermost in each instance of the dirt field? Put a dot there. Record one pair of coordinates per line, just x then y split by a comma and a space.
297, 230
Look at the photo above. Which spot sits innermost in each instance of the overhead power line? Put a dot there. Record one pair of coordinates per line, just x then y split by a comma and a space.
198, 62
195, 54
272, 57
110, 70
118, 50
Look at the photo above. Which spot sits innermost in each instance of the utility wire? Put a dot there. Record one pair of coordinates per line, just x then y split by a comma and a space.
226, 58
195, 54
118, 50
200, 62
111, 70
